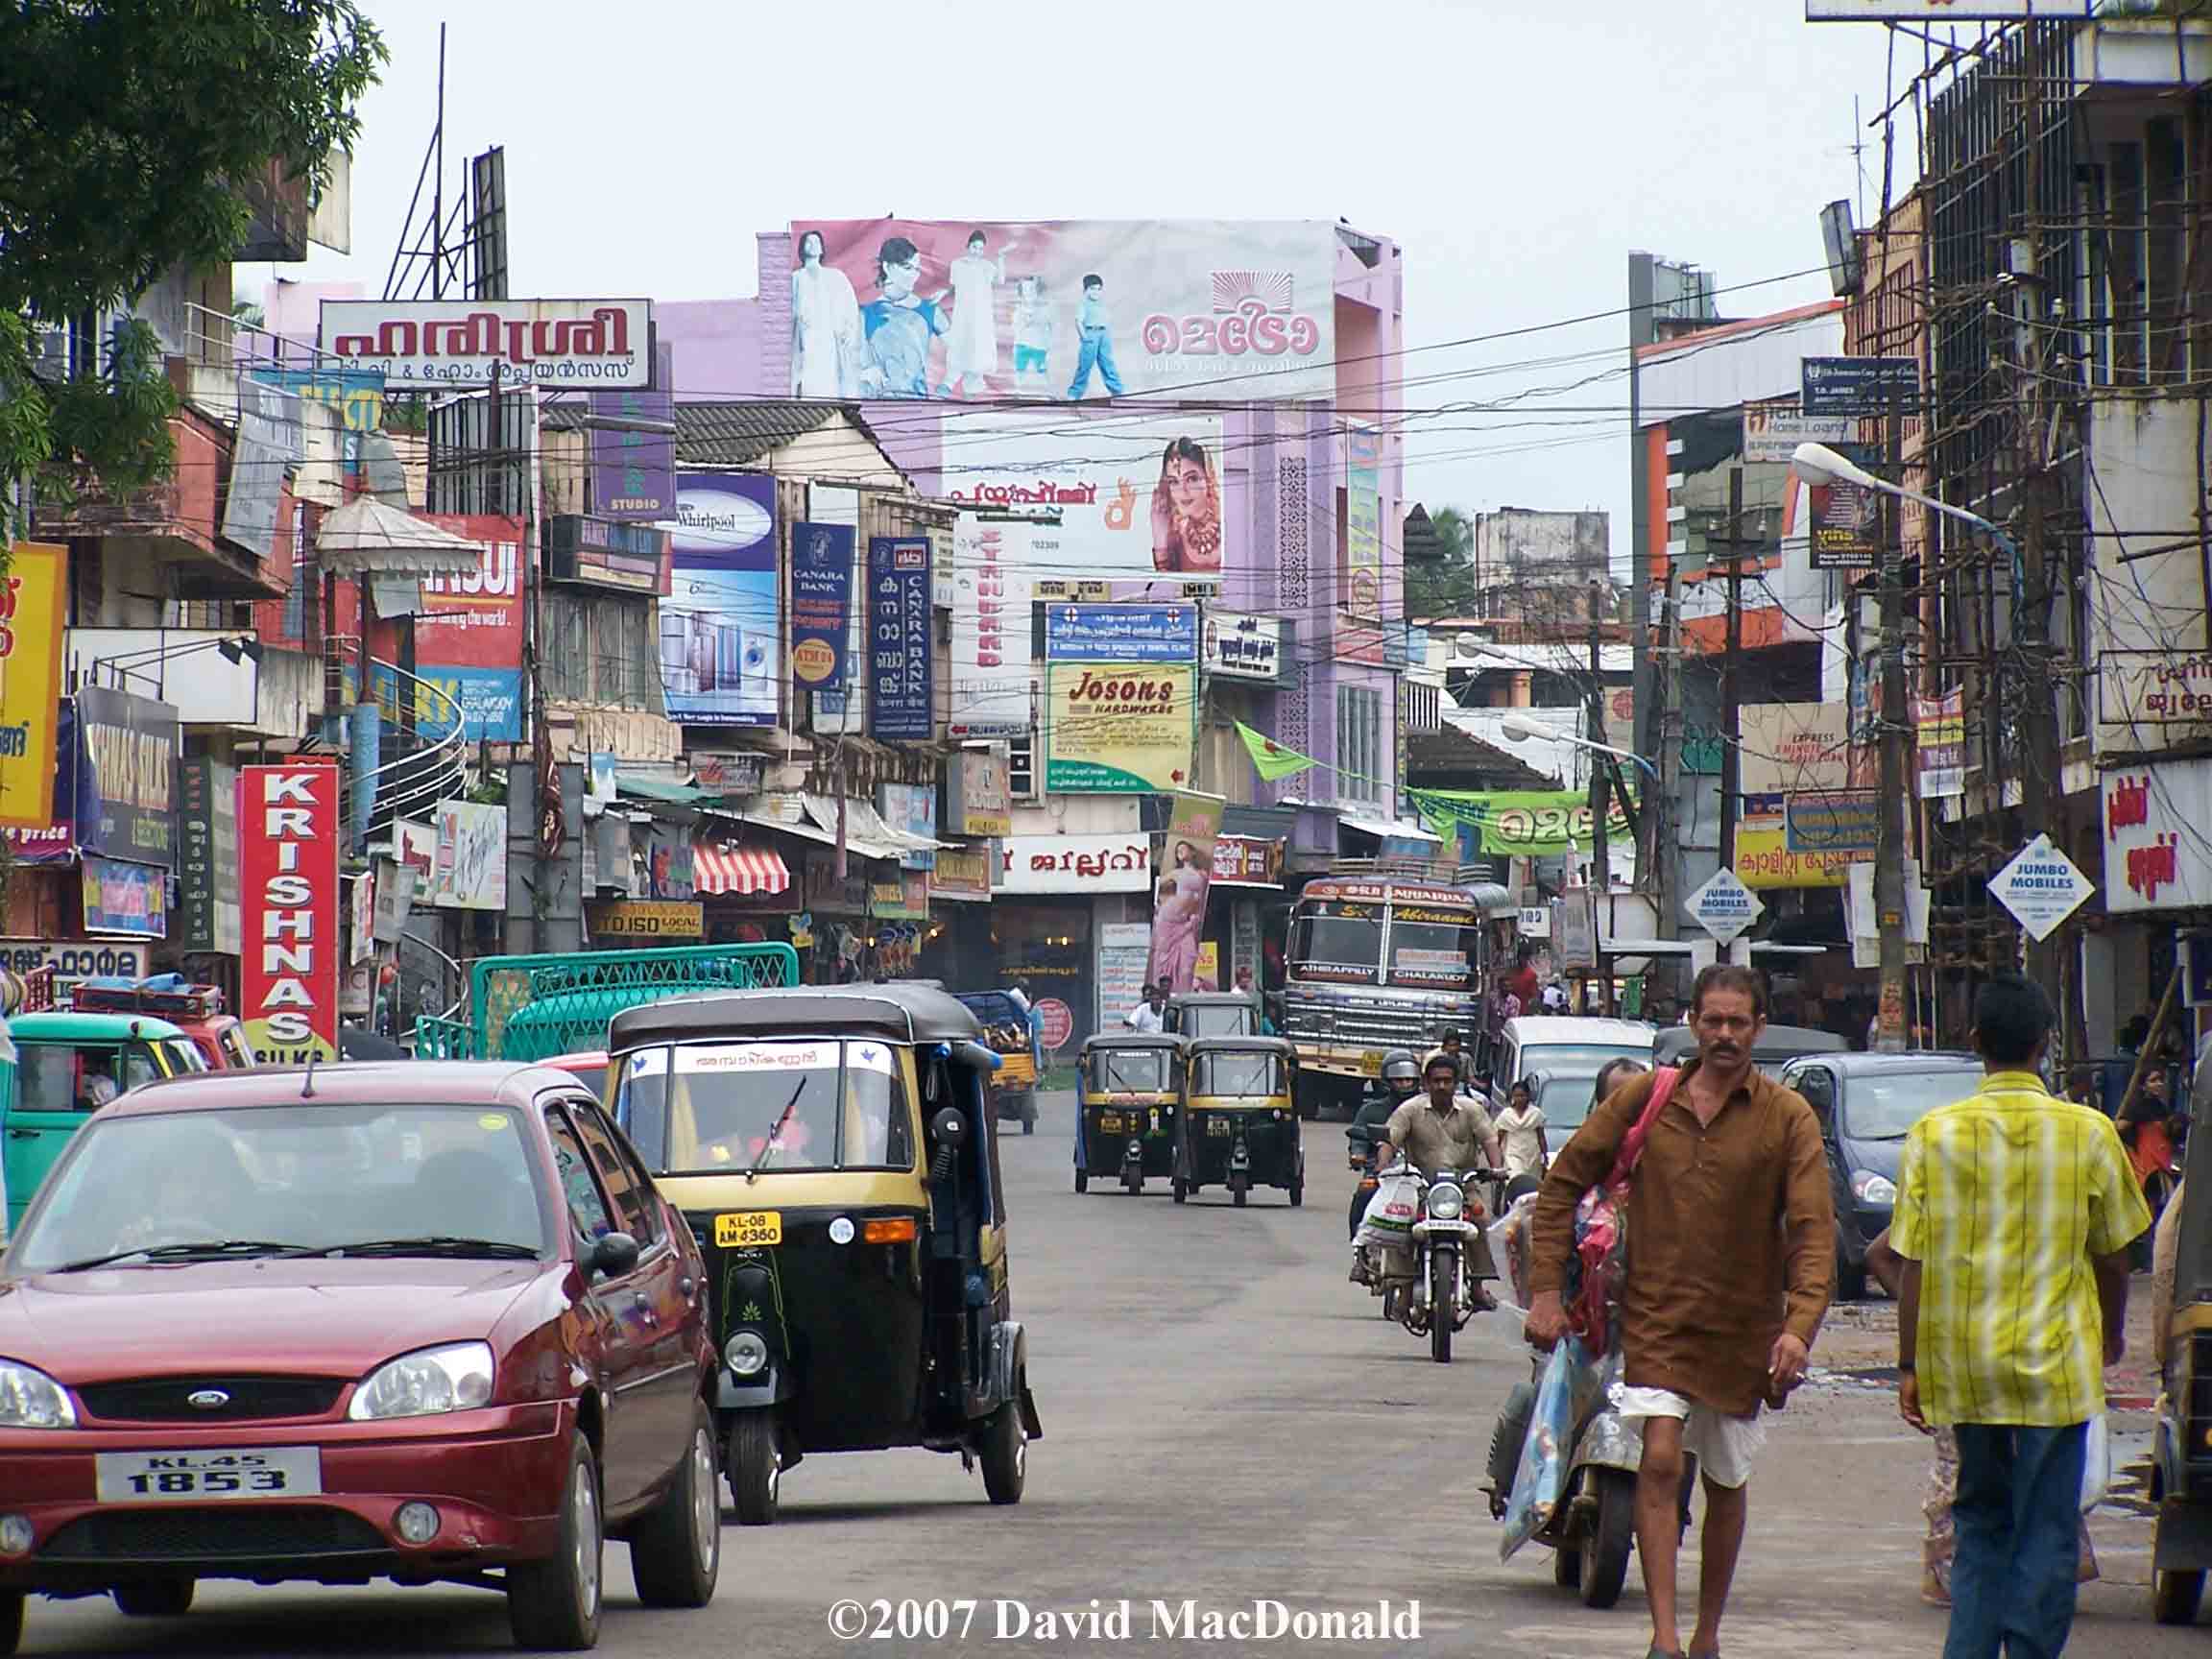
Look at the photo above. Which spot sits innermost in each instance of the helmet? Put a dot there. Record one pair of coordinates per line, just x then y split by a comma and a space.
1400, 1067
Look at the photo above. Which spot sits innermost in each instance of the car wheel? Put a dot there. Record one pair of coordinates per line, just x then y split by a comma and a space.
755, 1467
2175, 1596
1082, 1180
553, 1605
1850, 1282
676, 1551
156, 1598
11, 1622
1006, 1452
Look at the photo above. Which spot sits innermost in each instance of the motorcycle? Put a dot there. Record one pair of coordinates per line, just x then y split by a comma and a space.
1437, 1303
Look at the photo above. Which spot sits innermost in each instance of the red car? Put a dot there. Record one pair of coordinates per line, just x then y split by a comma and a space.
422, 1321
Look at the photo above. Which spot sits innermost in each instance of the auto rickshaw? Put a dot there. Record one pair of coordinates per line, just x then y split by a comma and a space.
1213, 1013
834, 1153
1132, 1084
1238, 1127
1006, 1034
2182, 1451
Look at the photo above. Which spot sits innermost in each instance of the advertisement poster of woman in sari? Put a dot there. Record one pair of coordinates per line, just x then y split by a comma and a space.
1179, 895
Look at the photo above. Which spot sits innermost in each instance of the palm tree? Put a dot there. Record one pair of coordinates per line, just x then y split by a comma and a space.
1440, 569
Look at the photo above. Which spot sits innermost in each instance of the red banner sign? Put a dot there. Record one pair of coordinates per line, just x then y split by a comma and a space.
288, 820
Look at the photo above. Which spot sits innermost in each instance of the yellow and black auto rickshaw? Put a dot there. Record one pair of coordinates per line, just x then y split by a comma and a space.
2182, 1451
1238, 1128
836, 1157
1132, 1084
1213, 1013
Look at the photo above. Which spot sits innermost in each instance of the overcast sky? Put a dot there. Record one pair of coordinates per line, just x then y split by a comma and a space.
1517, 152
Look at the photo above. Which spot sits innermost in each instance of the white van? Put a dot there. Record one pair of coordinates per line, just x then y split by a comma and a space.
1561, 1047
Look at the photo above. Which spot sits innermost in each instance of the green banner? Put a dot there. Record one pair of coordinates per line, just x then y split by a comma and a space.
1528, 822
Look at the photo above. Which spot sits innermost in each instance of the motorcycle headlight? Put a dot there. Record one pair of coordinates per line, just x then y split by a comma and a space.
745, 1353
426, 1384
29, 1399
1869, 1188
1446, 1201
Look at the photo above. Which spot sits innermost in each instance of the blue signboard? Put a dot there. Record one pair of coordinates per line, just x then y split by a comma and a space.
720, 625
1859, 385
1121, 633
900, 680
821, 591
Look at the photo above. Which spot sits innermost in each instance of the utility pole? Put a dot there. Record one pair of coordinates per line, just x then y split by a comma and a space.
1890, 1027
1600, 791
1666, 834
1731, 694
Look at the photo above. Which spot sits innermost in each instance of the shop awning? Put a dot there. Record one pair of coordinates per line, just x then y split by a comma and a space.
737, 870
366, 538
1389, 829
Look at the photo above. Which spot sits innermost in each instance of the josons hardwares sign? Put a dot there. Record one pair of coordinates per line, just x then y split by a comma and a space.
288, 819
1075, 864
587, 344
2156, 837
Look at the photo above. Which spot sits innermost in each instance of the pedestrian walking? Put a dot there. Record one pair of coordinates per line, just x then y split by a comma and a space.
1731, 1254
2014, 1213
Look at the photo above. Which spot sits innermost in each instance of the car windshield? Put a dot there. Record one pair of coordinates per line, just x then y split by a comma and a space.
307, 1177
1236, 1074
1131, 1070
1885, 1105
1565, 1102
1578, 1059
723, 1108
1217, 1020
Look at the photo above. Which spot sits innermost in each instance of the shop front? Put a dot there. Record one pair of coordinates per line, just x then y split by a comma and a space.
746, 892
957, 946
1051, 895
1247, 880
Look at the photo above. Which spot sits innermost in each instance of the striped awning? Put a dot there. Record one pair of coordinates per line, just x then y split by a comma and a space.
737, 870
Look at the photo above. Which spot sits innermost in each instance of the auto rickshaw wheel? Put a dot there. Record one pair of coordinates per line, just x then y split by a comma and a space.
754, 1469
156, 1598
1297, 1192
1007, 1451
1181, 1191
2175, 1596
1082, 1180
1028, 1113
1612, 1535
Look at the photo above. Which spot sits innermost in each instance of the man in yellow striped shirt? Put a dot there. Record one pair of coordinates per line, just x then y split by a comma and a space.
2016, 1210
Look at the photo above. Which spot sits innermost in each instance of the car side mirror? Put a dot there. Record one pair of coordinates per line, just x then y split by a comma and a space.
613, 1255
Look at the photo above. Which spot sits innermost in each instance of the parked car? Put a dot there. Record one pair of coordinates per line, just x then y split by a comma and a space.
351, 1323
1561, 1047
1866, 1104
1776, 1047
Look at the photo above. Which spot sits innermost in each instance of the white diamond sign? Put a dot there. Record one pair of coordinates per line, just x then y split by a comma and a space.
2040, 887
1724, 906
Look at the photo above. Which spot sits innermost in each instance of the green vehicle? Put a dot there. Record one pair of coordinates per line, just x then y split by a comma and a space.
62, 1068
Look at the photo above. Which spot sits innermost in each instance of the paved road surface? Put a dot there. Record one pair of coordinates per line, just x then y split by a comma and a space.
1226, 1419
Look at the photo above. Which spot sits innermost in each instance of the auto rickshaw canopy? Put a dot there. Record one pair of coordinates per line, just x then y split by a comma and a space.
890, 1013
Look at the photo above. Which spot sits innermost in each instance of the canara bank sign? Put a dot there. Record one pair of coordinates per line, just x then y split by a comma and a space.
549, 343
288, 850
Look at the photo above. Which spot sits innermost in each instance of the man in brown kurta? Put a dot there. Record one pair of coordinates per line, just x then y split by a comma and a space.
1731, 1252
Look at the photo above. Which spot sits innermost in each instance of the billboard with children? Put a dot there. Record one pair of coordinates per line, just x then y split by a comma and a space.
977, 311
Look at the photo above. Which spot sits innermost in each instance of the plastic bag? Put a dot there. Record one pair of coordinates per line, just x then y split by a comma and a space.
2096, 1464
1511, 1242
1541, 1477
1388, 1223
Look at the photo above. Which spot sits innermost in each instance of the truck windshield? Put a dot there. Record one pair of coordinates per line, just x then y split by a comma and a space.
1336, 940
1433, 949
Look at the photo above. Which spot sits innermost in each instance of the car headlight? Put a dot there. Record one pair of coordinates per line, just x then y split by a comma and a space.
746, 1352
1869, 1188
426, 1383
1446, 1201
29, 1399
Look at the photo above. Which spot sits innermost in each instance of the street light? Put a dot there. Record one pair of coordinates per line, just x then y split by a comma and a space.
1518, 730
1817, 463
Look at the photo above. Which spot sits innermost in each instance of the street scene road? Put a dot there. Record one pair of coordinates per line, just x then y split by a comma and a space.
1228, 1420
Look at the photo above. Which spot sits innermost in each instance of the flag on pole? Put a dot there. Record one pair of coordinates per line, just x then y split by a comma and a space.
1271, 757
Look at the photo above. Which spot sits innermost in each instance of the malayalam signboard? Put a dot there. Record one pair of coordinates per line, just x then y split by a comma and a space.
901, 677
1857, 385
1134, 498
583, 345
994, 673
720, 638
207, 858
32, 598
978, 794
1239, 647
2152, 700
1119, 863
288, 821
2155, 820
645, 919
1124, 953
981, 310
821, 594
1247, 861
1120, 633
1118, 728
1767, 857
1939, 727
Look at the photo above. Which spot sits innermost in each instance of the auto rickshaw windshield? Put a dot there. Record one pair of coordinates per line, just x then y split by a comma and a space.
722, 1108
1233, 1073
1131, 1070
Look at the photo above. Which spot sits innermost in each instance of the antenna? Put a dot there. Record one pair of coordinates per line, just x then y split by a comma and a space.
308, 1084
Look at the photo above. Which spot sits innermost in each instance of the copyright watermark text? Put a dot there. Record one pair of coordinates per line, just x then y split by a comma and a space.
1003, 1619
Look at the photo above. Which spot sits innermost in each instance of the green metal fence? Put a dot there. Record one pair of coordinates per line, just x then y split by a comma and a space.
529, 1007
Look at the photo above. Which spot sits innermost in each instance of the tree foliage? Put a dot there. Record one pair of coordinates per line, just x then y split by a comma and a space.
127, 131
1444, 587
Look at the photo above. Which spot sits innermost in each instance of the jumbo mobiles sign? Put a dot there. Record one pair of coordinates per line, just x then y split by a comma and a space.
288, 820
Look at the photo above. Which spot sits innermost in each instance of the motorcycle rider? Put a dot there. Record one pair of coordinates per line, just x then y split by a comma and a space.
1400, 1082
1442, 1133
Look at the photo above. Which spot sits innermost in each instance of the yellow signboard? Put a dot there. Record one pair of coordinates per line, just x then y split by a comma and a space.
661, 919
32, 595
1764, 859
1118, 728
